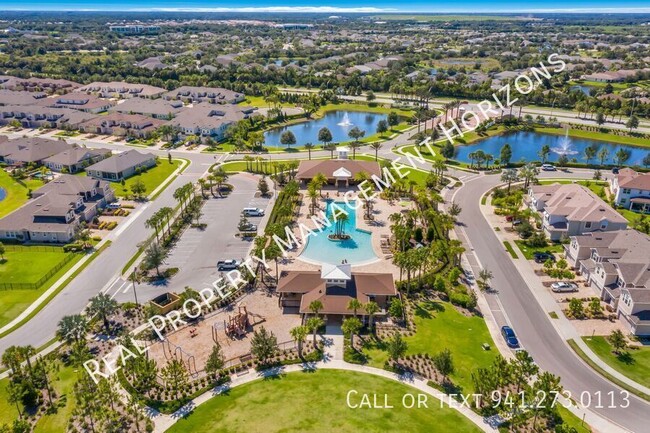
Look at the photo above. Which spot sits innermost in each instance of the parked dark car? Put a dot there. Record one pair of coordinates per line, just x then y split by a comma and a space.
543, 257
510, 337
227, 265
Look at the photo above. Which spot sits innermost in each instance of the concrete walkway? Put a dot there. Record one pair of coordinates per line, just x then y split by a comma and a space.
163, 422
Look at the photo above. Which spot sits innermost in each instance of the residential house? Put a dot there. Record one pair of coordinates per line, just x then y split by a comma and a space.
209, 120
48, 85
631, 190
122, 166
36, 116
78, 101
122, 90
31, 150
20, 97
76, 159
572, 209
617, 266
213, 95
56, 209
156, 108
136, 125
335, 286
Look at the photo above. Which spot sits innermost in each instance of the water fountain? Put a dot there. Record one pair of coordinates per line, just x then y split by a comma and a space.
565, 146
345, 121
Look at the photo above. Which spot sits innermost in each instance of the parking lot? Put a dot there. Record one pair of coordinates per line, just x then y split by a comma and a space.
197, 252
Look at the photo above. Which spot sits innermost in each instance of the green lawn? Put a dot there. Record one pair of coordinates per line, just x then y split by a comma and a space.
633, 363
438, 326
528, 252
8, 411
571, 420
151, 178
63, 381
600, 136
26, 267
16, 192
317, 402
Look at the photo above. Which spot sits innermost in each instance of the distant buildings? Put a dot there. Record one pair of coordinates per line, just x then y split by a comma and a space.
136, 125
48, 85
122, 90
213, 95
209, 120
131, 29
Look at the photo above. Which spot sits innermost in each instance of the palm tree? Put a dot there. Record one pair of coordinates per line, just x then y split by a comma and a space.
484, 277
354, 305
355, 145
376, 146
351, 326
309, 147
315, 307
321, 180
314, 324
299, 333
313, 195
371, 309
508, 176
104, 306
153, 223
72, 328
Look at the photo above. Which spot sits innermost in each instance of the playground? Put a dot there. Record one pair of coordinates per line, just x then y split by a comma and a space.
232, 327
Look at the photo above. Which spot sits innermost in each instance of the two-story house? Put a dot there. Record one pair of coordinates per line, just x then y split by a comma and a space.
572, 209
56, 209
631, 190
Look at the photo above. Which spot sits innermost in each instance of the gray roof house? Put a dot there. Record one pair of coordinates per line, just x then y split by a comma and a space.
157, 108
56, 209
119, 89
214, 95
75, 159
209, 120
35, 116
31, 150
122, 165
572, 209
616, 265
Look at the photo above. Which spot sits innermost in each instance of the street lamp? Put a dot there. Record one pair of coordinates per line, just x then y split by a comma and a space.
135, 270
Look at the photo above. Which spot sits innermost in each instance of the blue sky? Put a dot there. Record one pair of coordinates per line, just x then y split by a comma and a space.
333, 6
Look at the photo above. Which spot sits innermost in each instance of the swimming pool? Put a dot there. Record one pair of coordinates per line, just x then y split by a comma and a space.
356, 250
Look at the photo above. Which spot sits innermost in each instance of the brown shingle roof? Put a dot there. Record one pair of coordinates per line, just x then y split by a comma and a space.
309, 169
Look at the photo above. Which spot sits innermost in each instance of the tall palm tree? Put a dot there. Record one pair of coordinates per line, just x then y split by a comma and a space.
299, 333
315, 307
314, 324
309, 147
321, 180
376, 146
313, 195
104, 306
354, 305
153, 223
371, 308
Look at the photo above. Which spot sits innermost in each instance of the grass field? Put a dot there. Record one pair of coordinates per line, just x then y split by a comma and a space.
600, 136
317, 401
8, 411
63, 381
16, 193
528, 252
633, 363
438, 326
27, 267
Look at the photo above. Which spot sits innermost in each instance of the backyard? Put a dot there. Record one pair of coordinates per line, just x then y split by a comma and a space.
30, 265
317, 401
63, 379
16, 192
440, 325
528, 251
633, 362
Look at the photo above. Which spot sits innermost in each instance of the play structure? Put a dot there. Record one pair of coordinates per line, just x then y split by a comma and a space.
174, 351
237, 324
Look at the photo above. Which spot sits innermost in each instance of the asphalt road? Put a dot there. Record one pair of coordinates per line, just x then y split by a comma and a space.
531, 323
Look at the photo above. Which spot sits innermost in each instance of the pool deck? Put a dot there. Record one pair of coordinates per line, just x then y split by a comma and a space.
381, 226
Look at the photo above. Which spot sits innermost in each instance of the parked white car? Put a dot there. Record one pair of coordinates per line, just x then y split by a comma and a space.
564, 287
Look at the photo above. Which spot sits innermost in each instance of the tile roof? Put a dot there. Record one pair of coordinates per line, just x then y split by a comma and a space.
121, 161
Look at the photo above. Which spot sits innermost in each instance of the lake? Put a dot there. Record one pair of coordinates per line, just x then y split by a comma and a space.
584, 89
339, 122
526, 145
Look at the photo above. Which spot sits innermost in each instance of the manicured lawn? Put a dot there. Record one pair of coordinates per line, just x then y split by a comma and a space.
438, 326
633, 363
16, 193
151, 178
632, 141
8, 411
572, 421
528, 252
317, 402
25, 267
63, 381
